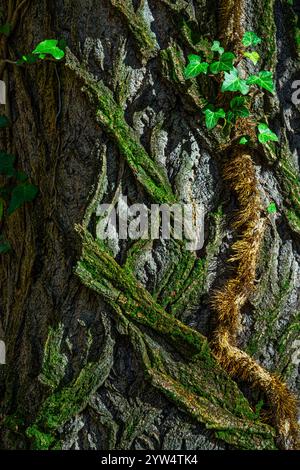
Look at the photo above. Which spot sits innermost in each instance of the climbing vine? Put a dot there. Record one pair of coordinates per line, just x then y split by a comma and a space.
232, 100
16, 189
196, 383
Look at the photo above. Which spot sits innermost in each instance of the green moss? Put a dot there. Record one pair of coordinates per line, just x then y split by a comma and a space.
294, 220
196, 381
111, 116
266, 28
67, 401
41, 440
294, 23
144, 37
203, 391
54, 362
172, 67
266, 314
285, 347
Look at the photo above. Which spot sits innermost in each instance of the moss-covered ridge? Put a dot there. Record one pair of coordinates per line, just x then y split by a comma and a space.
195, 382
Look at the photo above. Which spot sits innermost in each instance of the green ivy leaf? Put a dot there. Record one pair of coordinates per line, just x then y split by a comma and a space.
272, 208
250, 39
24, 192
49, 46
7, 164
224, 64
4, 121
230, 116
195, 67
21, 176
253, 56
28, 59
216, 47
212, 116
265, 134
237, 104
264, 79
62, 44
5, 29
233, 82
4, 247
244, 140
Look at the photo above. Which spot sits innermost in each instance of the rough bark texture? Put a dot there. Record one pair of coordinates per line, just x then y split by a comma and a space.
108, 349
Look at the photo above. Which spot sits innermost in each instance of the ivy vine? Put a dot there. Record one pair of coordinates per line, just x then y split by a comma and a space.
235, 109
15, 189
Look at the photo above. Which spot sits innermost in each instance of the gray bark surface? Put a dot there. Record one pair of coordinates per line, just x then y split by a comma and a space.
63, 148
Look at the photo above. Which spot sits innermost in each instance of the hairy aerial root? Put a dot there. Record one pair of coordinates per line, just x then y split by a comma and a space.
228, 301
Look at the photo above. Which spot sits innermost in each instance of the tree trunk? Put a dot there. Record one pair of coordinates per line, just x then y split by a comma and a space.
108, 348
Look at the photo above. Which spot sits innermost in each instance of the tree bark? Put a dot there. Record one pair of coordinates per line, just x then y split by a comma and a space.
109, 348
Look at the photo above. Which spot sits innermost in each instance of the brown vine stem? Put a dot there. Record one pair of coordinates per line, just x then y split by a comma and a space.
228, 301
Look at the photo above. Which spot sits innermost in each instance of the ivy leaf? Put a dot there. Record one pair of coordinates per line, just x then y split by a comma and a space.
7, 164
21, 176
237, 104
4, 121
224, 64
233, 82
250, 39
264, 79
265, 134
272, 208
230, 116
62, 44
5, 29
253, 56
216, 47
212, 116
49, 46
24, 192
28, 59
4, 247
195, 67
244, 140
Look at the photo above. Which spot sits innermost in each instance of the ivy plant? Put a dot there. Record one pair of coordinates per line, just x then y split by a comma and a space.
231, 105
14, 193
45, 50
15, 189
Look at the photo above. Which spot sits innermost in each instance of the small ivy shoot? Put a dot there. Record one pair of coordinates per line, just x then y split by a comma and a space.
265, 134
225, 63
264, 80
233, 82
238, 89
212, 116
253, 56
52, 48
195, 66
216, 47
272, 208
244, 140
250, 39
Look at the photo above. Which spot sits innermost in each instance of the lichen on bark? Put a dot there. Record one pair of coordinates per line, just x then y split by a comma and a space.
115, 370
